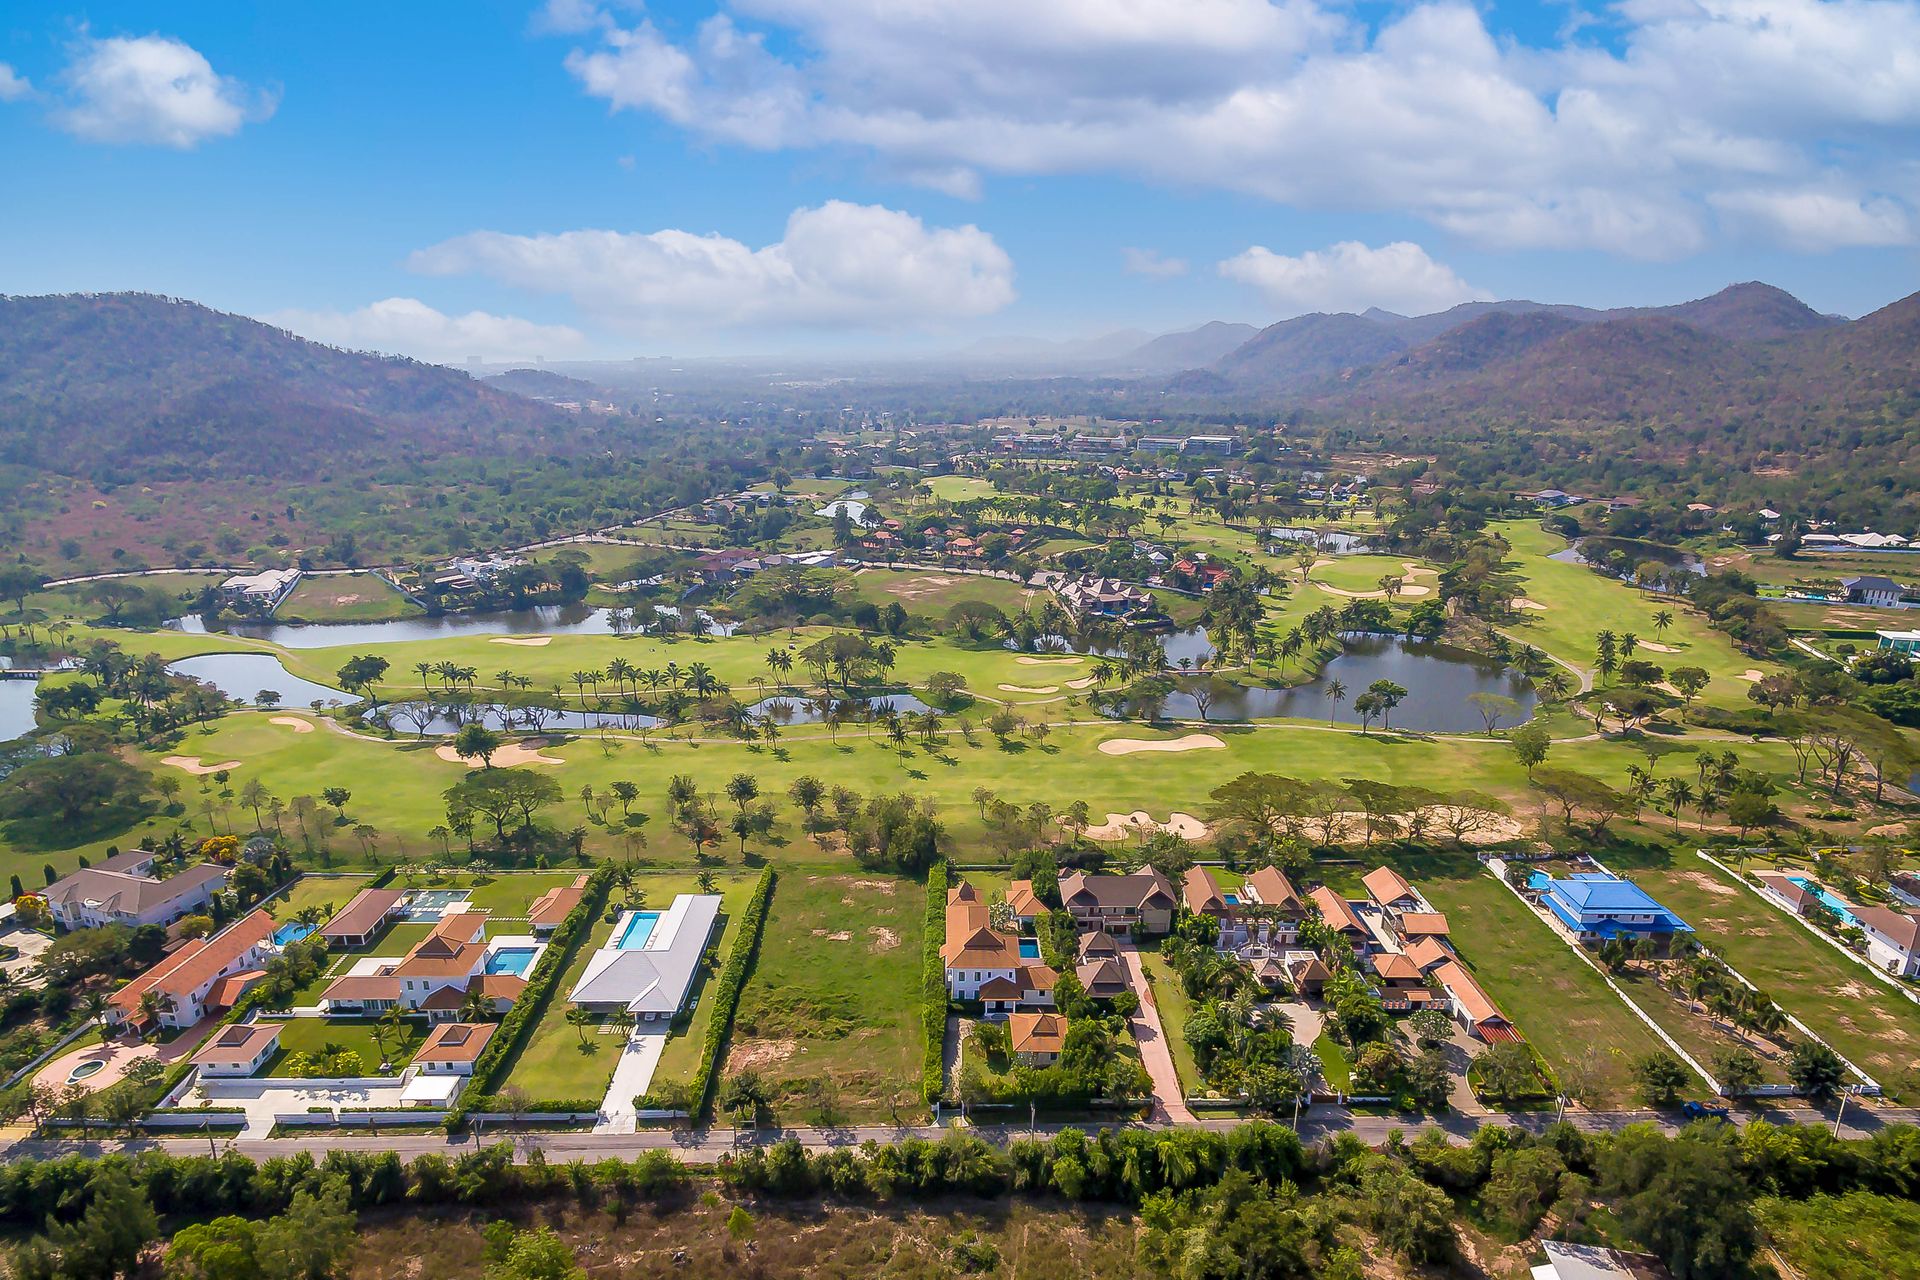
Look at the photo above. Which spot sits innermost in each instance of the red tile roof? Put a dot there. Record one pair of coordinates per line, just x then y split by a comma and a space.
362, 914
186, 970
455, 1042
240, 1042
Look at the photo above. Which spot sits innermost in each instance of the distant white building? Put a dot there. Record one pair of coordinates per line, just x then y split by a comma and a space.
1893, 940
263, 591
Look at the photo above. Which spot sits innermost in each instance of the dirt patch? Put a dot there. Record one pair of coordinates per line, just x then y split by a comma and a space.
191, 764
1534, 605
919, 588
888, 887
1084, 682
1119, 826
525, 642
1028, 660
758, 1053
838, 935
883, 939
1028, 688
1133, 746
507, 756
294, 723
1711, 883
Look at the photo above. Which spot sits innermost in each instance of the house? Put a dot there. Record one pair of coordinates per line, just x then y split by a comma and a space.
546, 912
1598, 906
1025, 903
1905, 886
1275, 906
1787, 892
436, 977
1037, 1038
1102, 978
1200, 893
1000, 970
1119, 904
184, 982
123, 890
1338, 915
1308, 973
1399, 981
261, 591
1893, 940
1429, 953
240, 1049
1597, 1262
1873, 590
648, 963
1471, 1007
1900, 641
1410, 925
358, 923
452, 1048
1109, 598
1390, 891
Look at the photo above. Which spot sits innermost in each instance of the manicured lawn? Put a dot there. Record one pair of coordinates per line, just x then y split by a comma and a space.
1174, 1008
681, 1058
836, 992
504, 893
929, 593
958, 488
329, 893
362, 597
557, 1063
1563, 1007
325, 1035
1336, 1072
1844, 1004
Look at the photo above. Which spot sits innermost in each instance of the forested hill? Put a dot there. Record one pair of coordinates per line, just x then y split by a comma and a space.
130, 387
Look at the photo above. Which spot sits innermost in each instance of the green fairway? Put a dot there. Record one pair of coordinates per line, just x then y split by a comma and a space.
930, 593
836, 994
957, 488
328, 893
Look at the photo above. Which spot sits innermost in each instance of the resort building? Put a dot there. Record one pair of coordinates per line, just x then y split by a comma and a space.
1893, 940
1338, 915
366, 914
1597, 906
1037, 1039
260, 592
1401, 984
435, 980
1200, 893
648, 963
1119, 904
1107, 598
1873, 590
1429, 953
1000, 970
240, 1049
452, 1048
123, 890
206, 976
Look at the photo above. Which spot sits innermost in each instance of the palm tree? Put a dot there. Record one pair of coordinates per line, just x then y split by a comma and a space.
579, 1019
1335, 695
1662, 619
475, 1006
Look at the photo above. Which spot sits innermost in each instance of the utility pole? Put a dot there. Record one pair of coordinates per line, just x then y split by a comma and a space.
1844, 1095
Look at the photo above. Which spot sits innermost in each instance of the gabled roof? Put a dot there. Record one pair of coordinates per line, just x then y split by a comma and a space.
1271, 886
239, 1042
1201, 892
1422, 924
1897, 927
362, 914
1474, 1002
450, 935
1096, 943
1797, 895
1385, 885
121, 893
1394, 967
1428, 952
227, 991
1336, 911
354, 988
1309, 968
1134, 891
1037, 1032
194, 965
1099, 974
1024, 901
557, 903
455, 1042
973, 943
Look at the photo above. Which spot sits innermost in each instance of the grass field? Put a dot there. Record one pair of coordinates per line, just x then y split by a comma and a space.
558, 1062
1695, 1030
681, 1058
326, 1035
1174, 1009
957, 488
929, 593
1844, 1004
329, 893
361, 597
836, 993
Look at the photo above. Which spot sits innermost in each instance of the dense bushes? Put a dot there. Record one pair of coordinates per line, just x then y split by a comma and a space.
525, 1014
727, 995
933, 988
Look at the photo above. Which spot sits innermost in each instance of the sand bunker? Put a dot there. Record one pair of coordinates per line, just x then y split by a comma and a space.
525, 642
1752, 674
506, 757
191, 764
1407, 591
1120, 826
1418, 570
1131, 746
1524, 603
1656, 647
1027, 660
1084, 682
1028, 688
294, 723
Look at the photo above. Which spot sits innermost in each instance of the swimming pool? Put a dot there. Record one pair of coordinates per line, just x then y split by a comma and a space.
434, 902
513, 960
1840, 906
1029, 948
634, 933
290, 933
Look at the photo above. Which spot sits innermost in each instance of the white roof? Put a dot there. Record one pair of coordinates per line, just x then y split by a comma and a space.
432, 1088
268, 580
653, 978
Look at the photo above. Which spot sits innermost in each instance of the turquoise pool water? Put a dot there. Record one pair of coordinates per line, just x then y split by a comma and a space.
290, 933
1029, 948
634, 933
1841, 907
513, 960
436, 899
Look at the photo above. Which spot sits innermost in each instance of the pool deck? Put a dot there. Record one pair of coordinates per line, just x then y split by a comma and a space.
119, 1054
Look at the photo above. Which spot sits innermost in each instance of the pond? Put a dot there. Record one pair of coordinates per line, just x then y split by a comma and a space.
1191, 644
419, 717
546, 620
1331, 541
16, 708
1438, 679
786, 710
241, 676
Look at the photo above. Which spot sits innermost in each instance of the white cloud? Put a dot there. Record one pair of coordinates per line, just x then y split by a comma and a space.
1623, 148
1813, 219
1150, 263
409, 327
1350, 276
153, 89
13, 85
838, 266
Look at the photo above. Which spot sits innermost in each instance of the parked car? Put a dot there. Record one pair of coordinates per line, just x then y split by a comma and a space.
1700, 1111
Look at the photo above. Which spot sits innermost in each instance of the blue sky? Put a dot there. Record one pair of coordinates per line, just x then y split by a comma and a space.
770, 175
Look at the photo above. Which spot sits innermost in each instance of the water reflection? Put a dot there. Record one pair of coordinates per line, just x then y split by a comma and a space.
1331, 541
241, 676
16, 708
546, 620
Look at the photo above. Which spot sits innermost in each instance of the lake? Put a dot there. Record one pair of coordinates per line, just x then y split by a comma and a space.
1438, 678
1333, 542
241, 676
548, 620
787, 710
420, 717
16, 708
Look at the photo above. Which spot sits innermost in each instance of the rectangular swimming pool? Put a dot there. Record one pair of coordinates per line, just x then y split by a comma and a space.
634, 933
513, 960
1029, 948
1840, 906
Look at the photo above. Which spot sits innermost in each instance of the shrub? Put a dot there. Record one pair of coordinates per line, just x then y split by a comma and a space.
933, 994
746, 949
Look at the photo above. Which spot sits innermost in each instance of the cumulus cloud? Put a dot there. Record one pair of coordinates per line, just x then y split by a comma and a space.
153, 89
1151, 264
1350, 276
13, 85
1625, 147
838, 266
409, 327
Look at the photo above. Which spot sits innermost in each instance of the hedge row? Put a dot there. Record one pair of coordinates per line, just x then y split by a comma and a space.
933, 983
727, 995
521, 1019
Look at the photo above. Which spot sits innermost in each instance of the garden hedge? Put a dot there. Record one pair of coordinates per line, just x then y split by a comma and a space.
933, 993
746, 948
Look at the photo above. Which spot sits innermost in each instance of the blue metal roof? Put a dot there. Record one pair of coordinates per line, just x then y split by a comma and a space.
1590, 894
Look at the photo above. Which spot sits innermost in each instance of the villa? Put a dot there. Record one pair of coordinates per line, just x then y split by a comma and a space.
546, 912
1119, 904
358, 923
1598, 906
1399, 981
206, 976
261, 591
123, 890
1893, 940
1200, 893
1108, 598
1001, 971
455, 961
648, 963
240, 1049
1471, 1007
452, 1048
1390, 891
1037, 1039
1873, 590
1338, 915
1025, 903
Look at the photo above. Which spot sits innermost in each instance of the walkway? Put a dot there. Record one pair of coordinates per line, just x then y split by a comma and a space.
1169, 1101
632, 1075
119, 1054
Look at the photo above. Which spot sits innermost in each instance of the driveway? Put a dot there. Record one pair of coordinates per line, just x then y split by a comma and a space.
23, 969
1169, 1103
264, 1097
117, 1055
632, 1074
